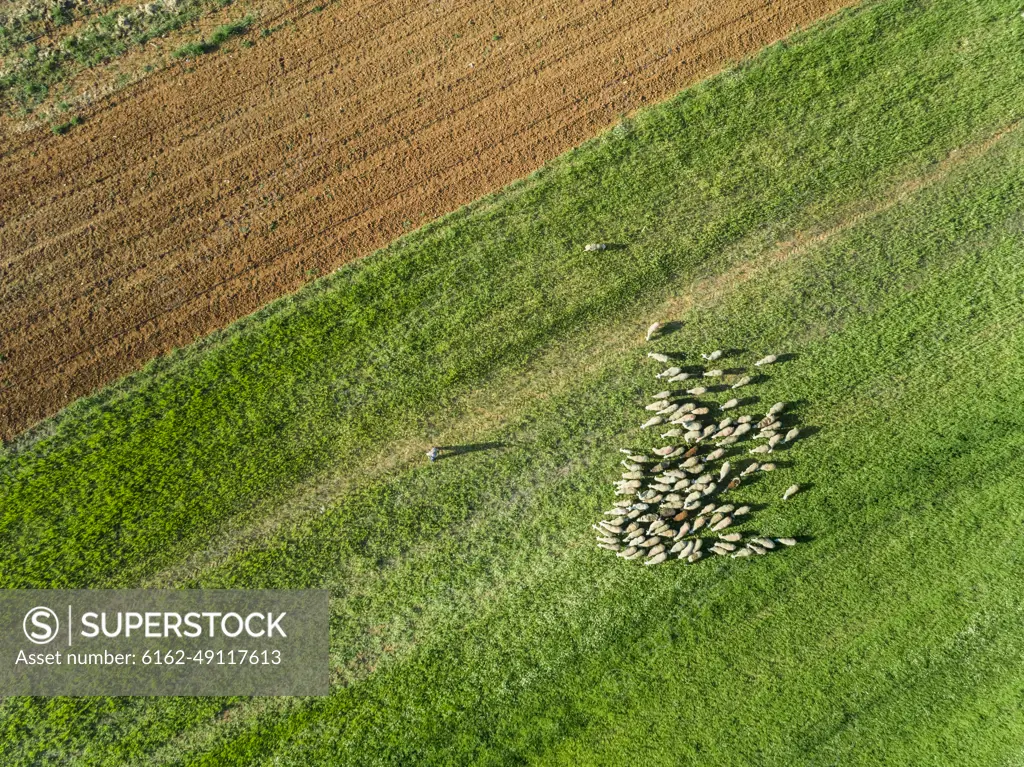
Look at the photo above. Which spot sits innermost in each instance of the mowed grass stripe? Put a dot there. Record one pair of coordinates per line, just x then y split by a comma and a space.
129, 483
887, 376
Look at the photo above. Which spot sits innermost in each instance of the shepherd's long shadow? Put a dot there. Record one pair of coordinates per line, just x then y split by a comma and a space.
449, 451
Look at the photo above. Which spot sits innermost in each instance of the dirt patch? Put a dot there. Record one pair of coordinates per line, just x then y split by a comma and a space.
214, 187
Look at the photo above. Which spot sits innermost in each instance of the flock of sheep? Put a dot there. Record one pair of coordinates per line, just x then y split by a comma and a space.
672, 493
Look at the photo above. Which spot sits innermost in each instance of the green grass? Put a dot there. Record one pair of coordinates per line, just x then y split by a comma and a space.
34, 72
217, 38
473, 622
60, 129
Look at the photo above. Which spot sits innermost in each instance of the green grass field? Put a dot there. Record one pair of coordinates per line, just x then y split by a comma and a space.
852, 197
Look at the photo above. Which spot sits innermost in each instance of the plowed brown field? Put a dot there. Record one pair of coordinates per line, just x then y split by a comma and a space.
213, 187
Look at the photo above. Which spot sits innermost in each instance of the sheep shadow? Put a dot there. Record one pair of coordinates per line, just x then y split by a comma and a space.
450, 451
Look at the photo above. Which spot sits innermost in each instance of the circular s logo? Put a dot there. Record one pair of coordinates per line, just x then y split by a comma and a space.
40, 625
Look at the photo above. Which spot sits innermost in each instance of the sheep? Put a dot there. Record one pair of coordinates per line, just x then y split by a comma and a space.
655, 421
656, 550
658, 357
741, 511
755, 548
697, 391
608, 539
777, 408
745, 419
663, 450
760, 449
714, 455
764, 543
684, 530
639, 458
672, 433
724, 472
630, 475
775, 440
741, 383
723, 544
730, 404
790, 492
657, 405
792, 434
627, 553
661, 395
594, 246
657, 560
733, 483
698, 523
726, 508
694, 557
668, 410
768, 467
655, 326
716, 549
668, 372
714, 373
741, 553
770, 359
724, 434
750, 469
713, 356
610, 546
786, 541
722, 524
690, 436
731, 537
679, 378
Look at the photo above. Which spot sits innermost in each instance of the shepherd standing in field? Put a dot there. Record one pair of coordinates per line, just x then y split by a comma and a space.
433, 453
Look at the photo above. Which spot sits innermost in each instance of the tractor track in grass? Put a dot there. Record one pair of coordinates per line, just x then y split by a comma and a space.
199, 196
